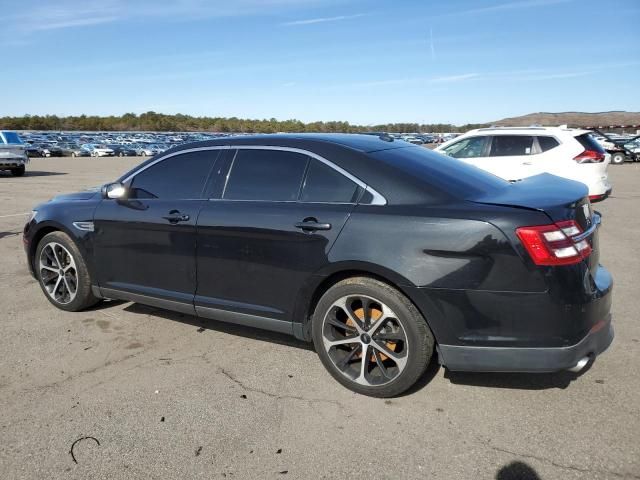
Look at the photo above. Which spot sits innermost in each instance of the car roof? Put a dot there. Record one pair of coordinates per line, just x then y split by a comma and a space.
358, 142
528, 130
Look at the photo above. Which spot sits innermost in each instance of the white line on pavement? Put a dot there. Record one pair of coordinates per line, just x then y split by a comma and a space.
15, 215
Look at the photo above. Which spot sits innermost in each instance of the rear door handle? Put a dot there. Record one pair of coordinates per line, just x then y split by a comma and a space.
175, 216
312, 226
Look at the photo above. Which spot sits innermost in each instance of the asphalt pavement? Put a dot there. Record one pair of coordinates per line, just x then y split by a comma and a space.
128, 391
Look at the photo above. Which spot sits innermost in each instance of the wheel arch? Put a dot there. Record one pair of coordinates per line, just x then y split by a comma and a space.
44, 229
312, 293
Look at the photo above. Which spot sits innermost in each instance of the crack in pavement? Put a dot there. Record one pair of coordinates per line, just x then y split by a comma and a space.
553, 463
279, 397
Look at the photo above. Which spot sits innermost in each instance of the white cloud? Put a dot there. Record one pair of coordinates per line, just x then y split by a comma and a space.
515, 5
311, 21
455, 78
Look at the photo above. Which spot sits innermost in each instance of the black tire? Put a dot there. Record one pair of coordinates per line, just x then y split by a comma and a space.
618, 158
18, 172
84, 298
419, 339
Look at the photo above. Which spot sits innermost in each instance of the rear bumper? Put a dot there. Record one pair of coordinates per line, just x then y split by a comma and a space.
601, 197
507, 359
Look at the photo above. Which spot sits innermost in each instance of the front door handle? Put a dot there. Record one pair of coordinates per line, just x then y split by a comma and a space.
175, 216
311, 225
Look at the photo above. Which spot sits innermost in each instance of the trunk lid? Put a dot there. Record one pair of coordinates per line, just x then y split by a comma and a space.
560, 199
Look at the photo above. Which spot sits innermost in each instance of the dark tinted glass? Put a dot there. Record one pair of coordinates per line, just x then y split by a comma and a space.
448, 174
511, 145
590, 143
324, 184
265, 175
179, 177
547, 143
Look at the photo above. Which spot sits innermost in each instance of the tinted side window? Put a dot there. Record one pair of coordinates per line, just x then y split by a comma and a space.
547, 143
511, 145
179, 177
471, 147
272, 175
324, 184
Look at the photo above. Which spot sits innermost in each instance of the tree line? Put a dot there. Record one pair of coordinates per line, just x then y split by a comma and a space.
152, 121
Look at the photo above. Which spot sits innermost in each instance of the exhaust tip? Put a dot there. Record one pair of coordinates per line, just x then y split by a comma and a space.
580, 365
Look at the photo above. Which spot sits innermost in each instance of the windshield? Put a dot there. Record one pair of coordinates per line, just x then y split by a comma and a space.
12, 138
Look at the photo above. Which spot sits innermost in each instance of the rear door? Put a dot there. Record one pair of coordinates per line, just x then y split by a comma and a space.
146, 244
277, 214
511, 157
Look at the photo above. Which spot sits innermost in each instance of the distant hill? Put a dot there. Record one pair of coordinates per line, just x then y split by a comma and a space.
573, 119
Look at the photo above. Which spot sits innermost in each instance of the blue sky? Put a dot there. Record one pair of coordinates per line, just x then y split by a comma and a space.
366, 62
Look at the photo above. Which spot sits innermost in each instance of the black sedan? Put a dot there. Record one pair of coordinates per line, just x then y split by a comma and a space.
37, 151
380, 252
122, 150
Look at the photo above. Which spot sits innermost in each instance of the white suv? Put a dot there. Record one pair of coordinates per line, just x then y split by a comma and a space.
514, 153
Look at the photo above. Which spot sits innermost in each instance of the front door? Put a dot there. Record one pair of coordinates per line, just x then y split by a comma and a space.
272, 227
145, 244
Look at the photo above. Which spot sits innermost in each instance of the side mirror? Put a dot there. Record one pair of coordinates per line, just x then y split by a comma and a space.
114, 191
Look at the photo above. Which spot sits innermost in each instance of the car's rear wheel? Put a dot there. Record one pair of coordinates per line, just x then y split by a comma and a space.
18, 171
63, 274
618, 158
370, 337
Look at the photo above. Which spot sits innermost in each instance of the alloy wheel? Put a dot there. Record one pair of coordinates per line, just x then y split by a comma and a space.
365, 340
58, 273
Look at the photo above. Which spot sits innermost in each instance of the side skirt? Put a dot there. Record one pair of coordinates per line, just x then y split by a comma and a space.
246, 319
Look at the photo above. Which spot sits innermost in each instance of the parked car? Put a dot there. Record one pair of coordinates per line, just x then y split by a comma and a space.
522, 152
71, 150
376, 250
122, 150
55, 151
37, 151
145, 151
13, 156
98, 150
624, 150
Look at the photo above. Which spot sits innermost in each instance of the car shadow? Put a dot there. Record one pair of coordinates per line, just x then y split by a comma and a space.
36, 173
10, 234
517, 471
219, 326
517, 381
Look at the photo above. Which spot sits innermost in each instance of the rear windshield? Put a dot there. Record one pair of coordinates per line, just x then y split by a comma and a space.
590, 143
12, 137
445, 173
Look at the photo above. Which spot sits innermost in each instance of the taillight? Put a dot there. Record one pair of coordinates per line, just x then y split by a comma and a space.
590, 156
554, 244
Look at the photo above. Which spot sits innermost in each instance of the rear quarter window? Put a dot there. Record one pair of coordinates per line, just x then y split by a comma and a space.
547, 143
447, 174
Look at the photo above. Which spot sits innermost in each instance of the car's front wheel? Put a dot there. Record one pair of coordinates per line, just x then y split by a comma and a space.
63, 274
371, 338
